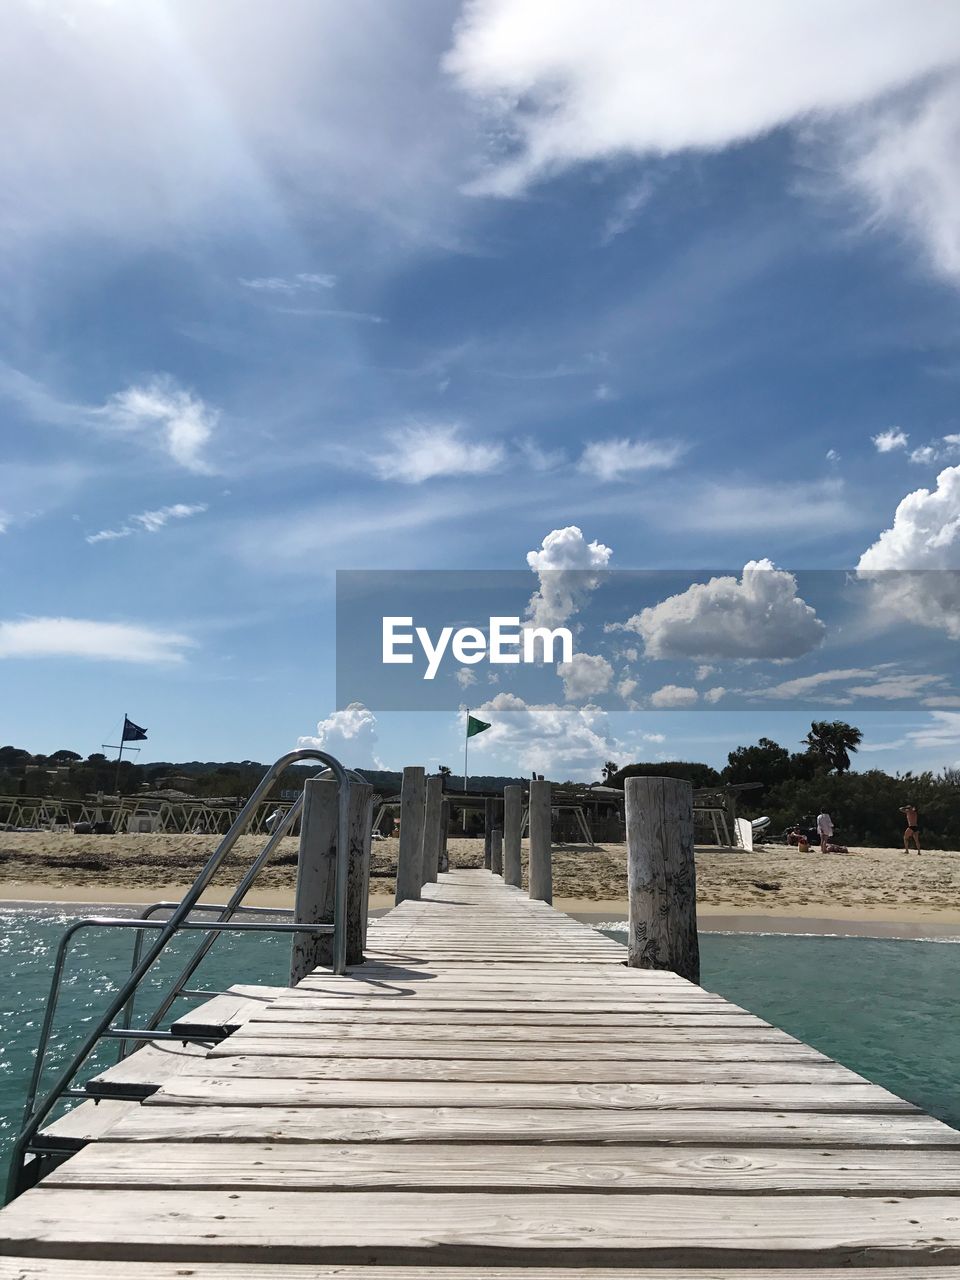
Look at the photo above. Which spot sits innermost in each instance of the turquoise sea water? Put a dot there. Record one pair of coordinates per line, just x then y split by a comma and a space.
887, 1009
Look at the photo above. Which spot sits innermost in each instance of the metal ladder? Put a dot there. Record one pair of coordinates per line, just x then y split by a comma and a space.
115, 1021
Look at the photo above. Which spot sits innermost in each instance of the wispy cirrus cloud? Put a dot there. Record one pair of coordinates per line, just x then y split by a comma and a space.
302, 282
149, 521
619, 459
90, 639
419, 452
645, 80
158, 412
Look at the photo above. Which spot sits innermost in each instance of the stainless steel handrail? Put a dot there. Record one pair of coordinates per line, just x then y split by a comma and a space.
166, 929
233, 905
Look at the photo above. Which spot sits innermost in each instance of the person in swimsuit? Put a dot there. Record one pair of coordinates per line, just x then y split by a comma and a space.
913, 827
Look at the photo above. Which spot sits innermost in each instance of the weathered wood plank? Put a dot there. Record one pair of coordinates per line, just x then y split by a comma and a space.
730, 1031
712, 1016
572, 1229
693, 1069
220, 1090
769, 1170
59, 1269
644, 1050
22, 1268
545, 1125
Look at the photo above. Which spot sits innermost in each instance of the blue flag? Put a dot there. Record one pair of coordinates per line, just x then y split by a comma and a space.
132, 732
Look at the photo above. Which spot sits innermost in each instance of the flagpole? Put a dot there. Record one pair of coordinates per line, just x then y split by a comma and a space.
466, 741
116, 783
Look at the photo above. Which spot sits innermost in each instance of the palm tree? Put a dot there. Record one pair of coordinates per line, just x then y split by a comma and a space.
444, 771
609, 769
833, 740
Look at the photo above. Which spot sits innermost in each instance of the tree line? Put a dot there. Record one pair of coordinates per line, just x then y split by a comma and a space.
794, 785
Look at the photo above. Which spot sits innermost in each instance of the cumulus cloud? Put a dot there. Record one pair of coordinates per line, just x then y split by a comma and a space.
181, 420
585, 676
465, 677
569, 568
85, 638
149, 521
715, 694
674, 695
423, 452
913, 568
888, 441
561, 742
350, 735
704, 672
626, 688
620, 459
758, 616
303, 281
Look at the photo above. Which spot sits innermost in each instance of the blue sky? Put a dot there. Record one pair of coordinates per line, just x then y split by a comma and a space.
320, 287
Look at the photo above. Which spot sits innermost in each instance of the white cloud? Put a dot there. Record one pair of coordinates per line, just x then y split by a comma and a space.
758, 616
942, 731
901, 161
914, 566
303, 281
628, 208
715, 694
893, 688
184, 422
636, 77
626, 688
539, 458
704, 672
561, 742
584, 676
423, 452
924, 455
832, 455
674, 695
466, 677
569, 569
802, 686
888, 441
84, 638
349, 735
149, 521
619, 459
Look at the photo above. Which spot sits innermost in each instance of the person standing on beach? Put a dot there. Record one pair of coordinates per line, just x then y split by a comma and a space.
913, 827
824, 830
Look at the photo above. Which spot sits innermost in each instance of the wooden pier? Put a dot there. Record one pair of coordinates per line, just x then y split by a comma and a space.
494, 1094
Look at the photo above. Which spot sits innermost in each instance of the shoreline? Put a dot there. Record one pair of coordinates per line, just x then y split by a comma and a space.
906, 923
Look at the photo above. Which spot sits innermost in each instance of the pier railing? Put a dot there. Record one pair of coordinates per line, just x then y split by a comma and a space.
115, 1021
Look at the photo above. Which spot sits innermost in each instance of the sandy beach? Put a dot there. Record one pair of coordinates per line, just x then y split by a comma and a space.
735, 889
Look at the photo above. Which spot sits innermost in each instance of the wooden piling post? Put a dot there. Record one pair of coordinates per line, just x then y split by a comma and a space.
431, 830
661, 876
496, 852
541, 856
512, 814
410, 855
487, 831
444, 864
317, 875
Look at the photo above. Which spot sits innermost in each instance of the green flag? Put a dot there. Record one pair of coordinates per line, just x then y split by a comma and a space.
475, 726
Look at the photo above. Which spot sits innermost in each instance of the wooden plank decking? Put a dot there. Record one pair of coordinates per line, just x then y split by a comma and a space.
494, 1093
